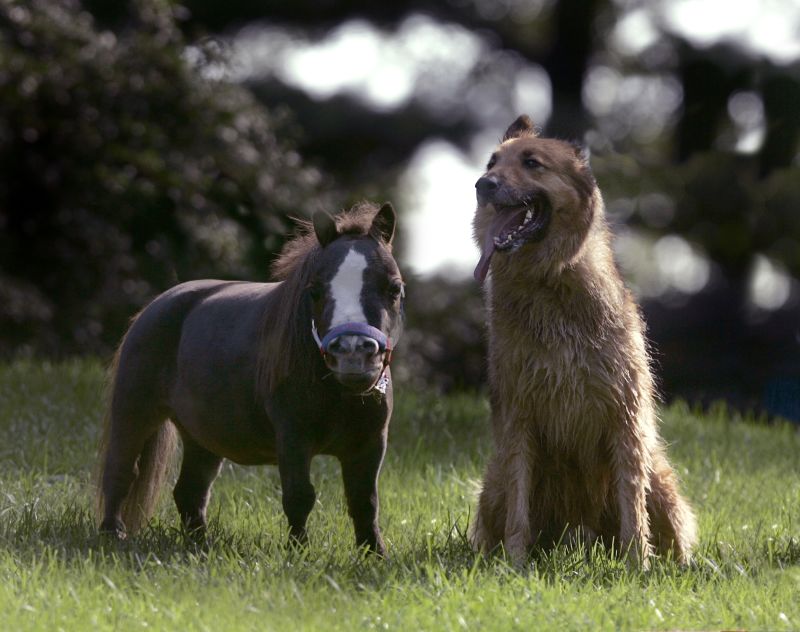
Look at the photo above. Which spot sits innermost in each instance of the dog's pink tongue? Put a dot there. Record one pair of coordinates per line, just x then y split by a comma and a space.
482, 269
502, 222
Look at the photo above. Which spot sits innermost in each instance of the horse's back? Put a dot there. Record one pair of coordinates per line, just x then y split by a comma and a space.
222, 331
148, 356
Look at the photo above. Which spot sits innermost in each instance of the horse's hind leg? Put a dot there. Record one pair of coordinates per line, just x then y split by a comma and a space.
129, 434
193, 489
119, 472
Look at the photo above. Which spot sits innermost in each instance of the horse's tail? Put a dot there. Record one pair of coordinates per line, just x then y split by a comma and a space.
152, 465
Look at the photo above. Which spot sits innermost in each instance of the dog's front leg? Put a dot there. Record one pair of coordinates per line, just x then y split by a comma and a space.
517, 535
632, 465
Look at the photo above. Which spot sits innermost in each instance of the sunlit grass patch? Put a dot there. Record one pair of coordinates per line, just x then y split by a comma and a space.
742, 477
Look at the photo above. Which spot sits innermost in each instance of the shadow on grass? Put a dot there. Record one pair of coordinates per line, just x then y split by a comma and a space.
436, 559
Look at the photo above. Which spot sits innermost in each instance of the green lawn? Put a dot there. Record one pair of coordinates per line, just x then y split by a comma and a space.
743, 479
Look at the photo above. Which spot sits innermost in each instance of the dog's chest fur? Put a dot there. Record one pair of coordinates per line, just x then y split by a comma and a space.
557, 362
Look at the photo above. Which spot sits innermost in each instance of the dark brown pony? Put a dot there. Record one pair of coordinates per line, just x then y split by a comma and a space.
262, 373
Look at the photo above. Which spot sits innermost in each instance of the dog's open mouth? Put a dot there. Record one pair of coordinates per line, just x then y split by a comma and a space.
512, 227
517, 225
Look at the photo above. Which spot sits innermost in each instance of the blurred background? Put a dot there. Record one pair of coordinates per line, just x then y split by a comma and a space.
149, 142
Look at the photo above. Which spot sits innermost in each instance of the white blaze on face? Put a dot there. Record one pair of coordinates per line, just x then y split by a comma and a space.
346, 288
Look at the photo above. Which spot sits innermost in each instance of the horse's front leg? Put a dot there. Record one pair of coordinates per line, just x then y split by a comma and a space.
294, 466
360, 473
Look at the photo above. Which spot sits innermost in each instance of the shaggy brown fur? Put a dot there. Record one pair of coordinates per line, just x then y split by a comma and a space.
573, 402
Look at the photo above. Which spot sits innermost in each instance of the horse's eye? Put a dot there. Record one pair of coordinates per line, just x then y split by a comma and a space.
531, 163
397, 290
315, 290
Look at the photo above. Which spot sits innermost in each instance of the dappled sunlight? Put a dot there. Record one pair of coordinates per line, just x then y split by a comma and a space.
634, 32
440, 184
767, 28
763, 27
635, 105
770, 285
657, 267
746, 110
383, 69
446, 68
533, 93
682, 266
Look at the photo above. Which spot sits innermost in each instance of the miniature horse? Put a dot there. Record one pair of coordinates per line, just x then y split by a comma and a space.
262, 373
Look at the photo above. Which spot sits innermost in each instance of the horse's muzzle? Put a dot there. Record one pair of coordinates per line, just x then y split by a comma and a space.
355, 360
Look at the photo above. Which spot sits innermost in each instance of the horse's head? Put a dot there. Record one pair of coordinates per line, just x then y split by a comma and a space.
357, 299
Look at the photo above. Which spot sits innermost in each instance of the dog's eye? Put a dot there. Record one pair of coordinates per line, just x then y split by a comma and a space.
531, 163
491, 164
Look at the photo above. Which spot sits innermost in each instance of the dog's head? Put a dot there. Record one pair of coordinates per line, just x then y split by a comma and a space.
535, 199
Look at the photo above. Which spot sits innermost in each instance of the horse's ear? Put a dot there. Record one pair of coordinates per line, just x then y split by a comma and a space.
523, 126
324, 227
384, 223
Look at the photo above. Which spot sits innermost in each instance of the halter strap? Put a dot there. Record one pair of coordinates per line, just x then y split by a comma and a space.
351, 329
358, 329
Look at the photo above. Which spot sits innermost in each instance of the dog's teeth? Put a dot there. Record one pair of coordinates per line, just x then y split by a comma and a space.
528, 216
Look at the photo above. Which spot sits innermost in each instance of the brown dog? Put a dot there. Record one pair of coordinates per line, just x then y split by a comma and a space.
573, 402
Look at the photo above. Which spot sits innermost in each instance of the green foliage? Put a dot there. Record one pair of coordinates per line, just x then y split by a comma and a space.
721, 204
443, 345
127, 167
742, 477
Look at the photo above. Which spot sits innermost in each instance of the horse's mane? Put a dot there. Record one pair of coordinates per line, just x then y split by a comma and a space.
285, 331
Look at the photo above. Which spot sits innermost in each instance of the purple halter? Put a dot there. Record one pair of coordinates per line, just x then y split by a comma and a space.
359, 329
353, 329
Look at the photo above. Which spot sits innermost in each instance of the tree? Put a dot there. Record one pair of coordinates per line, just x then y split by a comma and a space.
127, 168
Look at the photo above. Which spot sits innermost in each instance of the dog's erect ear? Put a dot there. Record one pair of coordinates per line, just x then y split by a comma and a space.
582, 152
324, 228
523, 126
384, 223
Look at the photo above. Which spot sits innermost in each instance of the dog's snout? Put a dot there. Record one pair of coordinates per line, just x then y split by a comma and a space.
485, 185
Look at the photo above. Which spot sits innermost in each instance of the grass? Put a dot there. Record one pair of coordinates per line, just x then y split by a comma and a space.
742, 477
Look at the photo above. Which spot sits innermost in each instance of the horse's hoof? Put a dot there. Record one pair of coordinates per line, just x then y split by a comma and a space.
198, 539
372, 550
297, 541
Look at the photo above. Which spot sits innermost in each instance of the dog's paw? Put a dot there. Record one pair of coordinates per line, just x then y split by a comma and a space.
516, 548
638, 555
